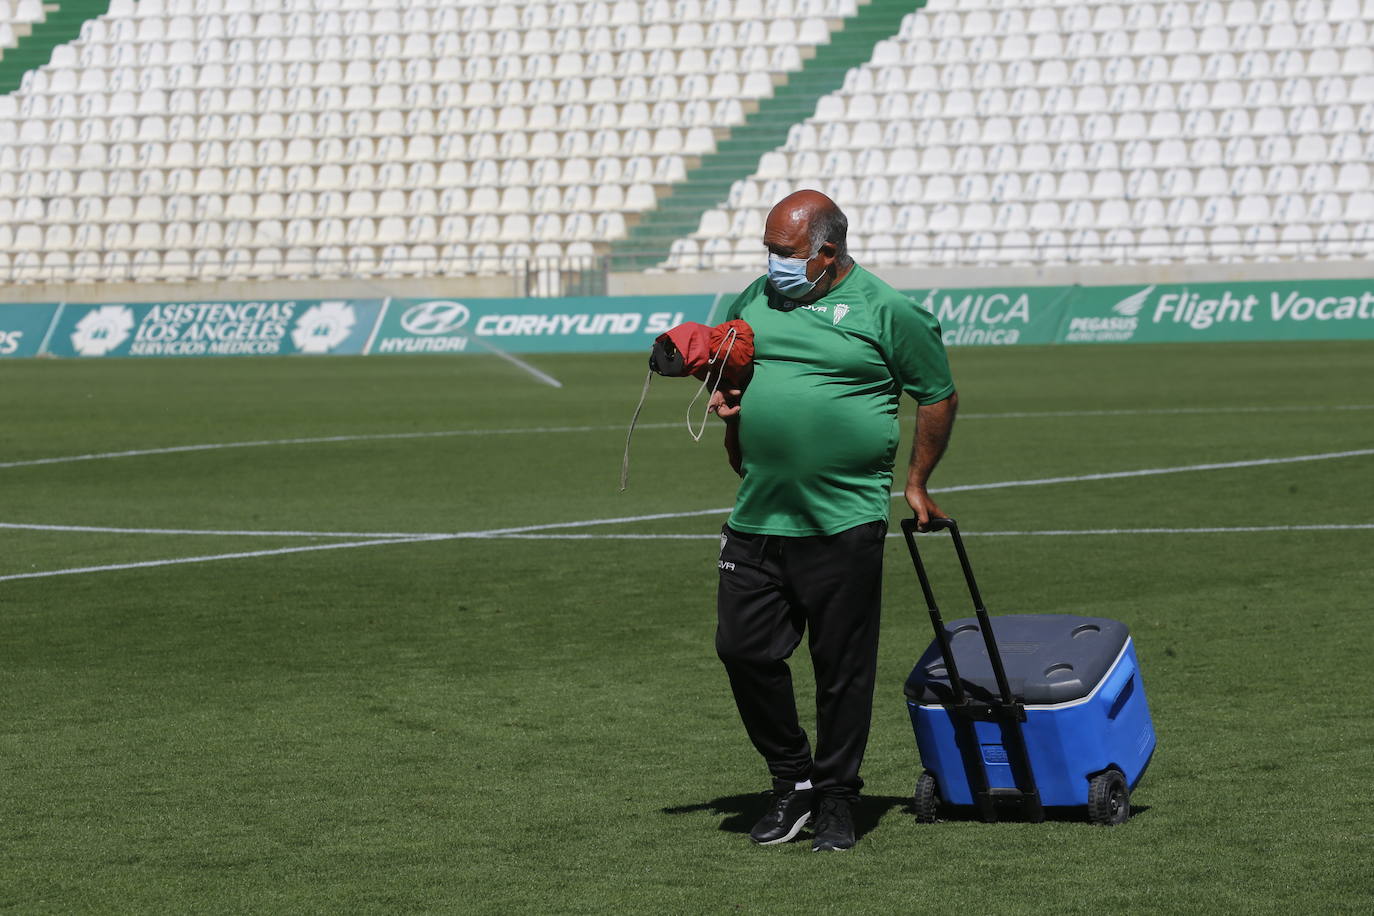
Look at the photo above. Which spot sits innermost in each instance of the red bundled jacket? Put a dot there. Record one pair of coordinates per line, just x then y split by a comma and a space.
720, 355
702, 351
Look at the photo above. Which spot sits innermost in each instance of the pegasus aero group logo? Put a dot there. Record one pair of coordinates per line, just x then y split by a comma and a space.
840, 311
438, 317
1130, 306
323, 327
1120, 325
101, 330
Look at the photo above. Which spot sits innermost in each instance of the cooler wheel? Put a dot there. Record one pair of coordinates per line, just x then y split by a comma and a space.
928, 801
1109, 800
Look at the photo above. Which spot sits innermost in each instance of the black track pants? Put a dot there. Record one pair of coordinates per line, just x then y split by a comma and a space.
772, 589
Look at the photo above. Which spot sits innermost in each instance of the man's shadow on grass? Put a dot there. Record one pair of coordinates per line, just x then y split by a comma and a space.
741, 812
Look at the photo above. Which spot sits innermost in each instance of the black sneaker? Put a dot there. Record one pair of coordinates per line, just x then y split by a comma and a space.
834, 825
789, 814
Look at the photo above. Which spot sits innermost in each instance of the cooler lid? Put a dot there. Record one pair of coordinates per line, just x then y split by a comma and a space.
1049, 658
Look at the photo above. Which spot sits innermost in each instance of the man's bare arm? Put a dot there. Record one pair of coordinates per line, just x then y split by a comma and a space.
725, 404
934, 422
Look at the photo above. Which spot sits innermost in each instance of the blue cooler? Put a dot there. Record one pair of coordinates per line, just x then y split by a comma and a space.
1039, 709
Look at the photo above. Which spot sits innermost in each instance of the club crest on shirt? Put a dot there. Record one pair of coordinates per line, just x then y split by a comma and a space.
840, 311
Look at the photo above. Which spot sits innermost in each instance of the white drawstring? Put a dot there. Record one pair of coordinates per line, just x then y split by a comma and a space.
730, 336
625, 462
728, 345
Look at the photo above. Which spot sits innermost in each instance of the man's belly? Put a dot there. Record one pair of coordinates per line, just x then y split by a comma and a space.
800, 424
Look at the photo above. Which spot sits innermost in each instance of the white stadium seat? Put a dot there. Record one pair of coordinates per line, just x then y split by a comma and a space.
978, 131
1221, 114
201, 89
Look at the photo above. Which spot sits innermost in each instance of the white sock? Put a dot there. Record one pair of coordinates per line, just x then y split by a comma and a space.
803, 785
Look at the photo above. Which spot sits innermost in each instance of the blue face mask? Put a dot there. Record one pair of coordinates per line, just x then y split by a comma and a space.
788, 276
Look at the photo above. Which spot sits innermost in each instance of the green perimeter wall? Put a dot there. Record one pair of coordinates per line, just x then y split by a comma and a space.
983, 316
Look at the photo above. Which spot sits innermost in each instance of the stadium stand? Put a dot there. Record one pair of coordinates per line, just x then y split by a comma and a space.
179, 138
218, 140
29, 30
992, 133
17, 21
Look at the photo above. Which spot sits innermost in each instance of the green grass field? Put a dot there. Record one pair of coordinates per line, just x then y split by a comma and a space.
539, 723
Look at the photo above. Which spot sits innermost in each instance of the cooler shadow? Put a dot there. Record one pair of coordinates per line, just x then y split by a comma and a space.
1011, 814
739, 813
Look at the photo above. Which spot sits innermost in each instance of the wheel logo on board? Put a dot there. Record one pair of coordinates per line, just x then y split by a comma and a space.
438, 317
323, 327
101, 330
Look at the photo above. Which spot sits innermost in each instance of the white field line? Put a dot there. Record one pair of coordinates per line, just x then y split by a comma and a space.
660, 516
212, 532
314, 440
377, 535
146, 564
535, 430
1155, 412
1153, 472
1231, 529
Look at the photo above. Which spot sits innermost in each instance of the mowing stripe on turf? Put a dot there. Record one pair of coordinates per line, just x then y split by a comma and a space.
413, 537
660, 516
440, 434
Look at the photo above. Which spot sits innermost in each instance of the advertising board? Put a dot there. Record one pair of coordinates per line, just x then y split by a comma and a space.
571, 325
1278, 310
22, 328
257, 328
996, 316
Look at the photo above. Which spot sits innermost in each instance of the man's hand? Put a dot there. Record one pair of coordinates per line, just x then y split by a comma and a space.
725, 404
924, 507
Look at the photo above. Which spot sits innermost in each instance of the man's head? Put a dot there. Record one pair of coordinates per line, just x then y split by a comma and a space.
806, 226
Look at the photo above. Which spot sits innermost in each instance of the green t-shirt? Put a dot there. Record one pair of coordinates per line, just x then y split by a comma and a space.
818, 425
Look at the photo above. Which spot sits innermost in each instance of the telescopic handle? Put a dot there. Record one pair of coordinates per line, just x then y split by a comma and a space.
910, 527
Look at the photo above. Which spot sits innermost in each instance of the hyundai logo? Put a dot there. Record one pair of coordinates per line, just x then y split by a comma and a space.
438, 317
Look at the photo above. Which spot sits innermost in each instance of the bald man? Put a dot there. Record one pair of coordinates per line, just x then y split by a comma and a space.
814, 437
